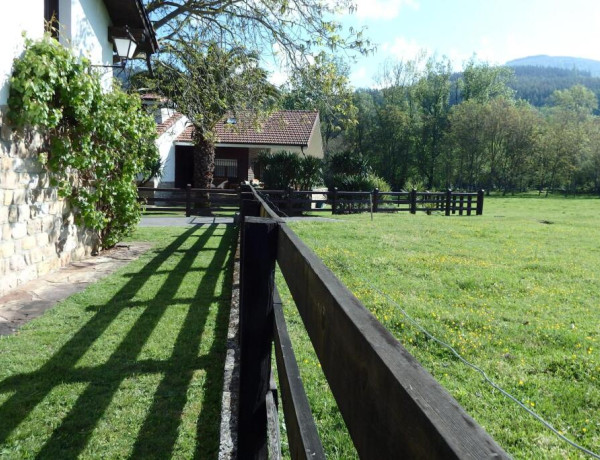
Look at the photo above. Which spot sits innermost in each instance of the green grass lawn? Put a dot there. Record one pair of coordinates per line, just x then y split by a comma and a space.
515, 291
130, 367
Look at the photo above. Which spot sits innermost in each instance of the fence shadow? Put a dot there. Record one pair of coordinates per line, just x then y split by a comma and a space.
158, 433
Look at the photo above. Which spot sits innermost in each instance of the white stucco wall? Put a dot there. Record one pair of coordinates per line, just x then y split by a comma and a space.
166, 148
84, 27
16, 18
315, 145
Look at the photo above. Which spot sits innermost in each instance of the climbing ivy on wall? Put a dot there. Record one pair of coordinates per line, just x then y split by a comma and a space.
96, 142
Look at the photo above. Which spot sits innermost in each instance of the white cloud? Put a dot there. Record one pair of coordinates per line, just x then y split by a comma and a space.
383, 9
404, 49
278, 78
359, 78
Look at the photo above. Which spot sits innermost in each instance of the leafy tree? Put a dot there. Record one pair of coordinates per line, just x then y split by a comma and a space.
398, 122
205, 84
590, 167
562, 143
493, 143
565, 139
467, 139
287, 29
432, 93
522, 135
578, 100
483, 82
362, 136
323, 86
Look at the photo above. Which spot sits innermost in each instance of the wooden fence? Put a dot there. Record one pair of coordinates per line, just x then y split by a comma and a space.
391, 406
175, 199
292, 202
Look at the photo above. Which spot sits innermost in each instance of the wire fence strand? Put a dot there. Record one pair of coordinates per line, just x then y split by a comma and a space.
471, 365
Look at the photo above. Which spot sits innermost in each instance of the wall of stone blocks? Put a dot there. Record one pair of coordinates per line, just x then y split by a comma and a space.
37, 229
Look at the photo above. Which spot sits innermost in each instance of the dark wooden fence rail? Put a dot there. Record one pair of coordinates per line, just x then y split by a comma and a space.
449, 202
291, 202
177, 198
392, 407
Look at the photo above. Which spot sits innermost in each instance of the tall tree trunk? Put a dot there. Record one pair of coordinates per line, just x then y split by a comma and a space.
204, 164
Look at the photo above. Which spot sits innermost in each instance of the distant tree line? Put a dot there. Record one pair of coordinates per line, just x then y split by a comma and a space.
536, 84
426, 127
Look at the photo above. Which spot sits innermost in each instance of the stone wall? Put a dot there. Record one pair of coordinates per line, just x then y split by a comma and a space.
37, 229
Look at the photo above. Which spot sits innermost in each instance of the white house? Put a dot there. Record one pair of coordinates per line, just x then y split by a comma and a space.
37, 230
238, 144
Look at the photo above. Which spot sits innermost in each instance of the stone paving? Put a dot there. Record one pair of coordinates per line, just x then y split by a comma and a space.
33, 298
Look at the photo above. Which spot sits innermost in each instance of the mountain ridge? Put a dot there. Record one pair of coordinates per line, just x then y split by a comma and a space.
562, 62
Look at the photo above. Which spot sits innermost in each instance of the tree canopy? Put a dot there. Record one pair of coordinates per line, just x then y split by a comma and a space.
289, 29
323, 86
207, 82
426, 127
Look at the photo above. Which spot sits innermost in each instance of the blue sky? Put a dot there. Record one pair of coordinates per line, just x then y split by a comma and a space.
495, 30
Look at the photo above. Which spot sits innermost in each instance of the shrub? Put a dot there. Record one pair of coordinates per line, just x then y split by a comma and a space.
286, 169
350, 171
358, 183
311, 173
349, 163
95, 143
379, 182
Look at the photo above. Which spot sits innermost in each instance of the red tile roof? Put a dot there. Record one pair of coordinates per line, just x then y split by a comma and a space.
162, 127
285, 127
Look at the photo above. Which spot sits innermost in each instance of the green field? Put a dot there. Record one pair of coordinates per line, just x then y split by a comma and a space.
515, 291
130, 367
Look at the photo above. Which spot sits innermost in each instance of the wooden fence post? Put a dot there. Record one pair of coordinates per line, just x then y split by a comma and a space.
250, 208
257, 267
289, 203
375, 199
469, 204
480, 194
448, 201
413, 201
334, 201
188, 200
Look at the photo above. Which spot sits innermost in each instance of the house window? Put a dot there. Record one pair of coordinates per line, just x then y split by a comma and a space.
226, 168
51, 17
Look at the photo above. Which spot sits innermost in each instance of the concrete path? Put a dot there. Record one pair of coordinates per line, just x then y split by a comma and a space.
199, 220
310, 219
183, 221
32, 299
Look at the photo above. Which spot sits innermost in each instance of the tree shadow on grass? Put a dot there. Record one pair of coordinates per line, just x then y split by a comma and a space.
158, 434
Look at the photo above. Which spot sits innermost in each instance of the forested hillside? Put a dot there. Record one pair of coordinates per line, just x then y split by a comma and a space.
535, 84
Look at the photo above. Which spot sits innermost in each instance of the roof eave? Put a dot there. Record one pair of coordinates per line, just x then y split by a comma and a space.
131, 13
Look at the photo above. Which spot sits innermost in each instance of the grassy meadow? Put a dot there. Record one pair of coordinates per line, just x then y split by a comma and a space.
515, 291
132, 367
